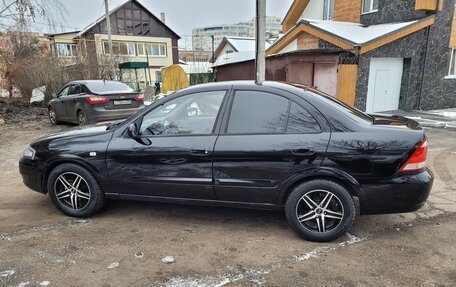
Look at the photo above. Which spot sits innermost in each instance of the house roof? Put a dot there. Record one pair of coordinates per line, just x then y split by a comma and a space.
294, 14
90, 26
351, 36
238, 44
232, 58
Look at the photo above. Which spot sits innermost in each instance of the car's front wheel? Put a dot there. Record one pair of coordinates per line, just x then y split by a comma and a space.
320, 210
75, 191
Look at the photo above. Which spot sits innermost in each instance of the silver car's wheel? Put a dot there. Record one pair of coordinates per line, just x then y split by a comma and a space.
82, 118
320, 211
52, 116
72, 190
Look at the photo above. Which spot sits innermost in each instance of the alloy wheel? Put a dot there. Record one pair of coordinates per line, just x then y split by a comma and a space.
81, 119
72, 190
320, 211
52, 116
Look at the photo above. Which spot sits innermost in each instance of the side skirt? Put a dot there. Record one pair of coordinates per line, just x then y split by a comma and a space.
189, 201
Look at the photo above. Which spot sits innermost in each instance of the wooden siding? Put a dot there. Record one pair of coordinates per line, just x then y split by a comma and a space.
347, 10
307, 41
346, 83
140, 21
427, 5
453, 31
394, 36
297, 31
294, 14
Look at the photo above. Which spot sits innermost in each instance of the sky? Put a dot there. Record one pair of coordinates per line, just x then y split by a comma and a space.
181, 15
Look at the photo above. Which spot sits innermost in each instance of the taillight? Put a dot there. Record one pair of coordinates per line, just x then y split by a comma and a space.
93, 100
140, 97
418, 159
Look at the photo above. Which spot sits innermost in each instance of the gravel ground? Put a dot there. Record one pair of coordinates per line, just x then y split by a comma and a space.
147, 244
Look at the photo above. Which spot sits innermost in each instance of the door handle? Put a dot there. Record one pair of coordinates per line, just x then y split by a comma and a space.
303, 151
199, 152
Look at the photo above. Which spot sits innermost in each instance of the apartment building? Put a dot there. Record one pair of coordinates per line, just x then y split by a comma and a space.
202, 37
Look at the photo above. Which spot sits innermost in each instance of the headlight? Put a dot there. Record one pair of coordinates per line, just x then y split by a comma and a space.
29, 153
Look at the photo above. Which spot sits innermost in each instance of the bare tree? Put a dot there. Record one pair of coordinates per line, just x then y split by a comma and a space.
18, 15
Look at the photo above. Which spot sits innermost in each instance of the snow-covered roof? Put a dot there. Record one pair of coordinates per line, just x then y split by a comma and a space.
355, 33
243, 44
234, 58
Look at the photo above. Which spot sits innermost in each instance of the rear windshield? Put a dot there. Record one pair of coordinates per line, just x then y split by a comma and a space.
108, 86
351, 112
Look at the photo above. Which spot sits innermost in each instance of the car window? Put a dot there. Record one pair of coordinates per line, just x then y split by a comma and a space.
258, 112
108, 86
64, 92
74, 90
193, 114
301, 121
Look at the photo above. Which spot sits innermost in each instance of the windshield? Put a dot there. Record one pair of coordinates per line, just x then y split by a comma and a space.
108, 86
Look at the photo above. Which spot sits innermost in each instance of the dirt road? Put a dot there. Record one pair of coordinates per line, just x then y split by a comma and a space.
124, 245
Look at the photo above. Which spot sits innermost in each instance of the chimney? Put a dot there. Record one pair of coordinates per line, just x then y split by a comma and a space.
162, 17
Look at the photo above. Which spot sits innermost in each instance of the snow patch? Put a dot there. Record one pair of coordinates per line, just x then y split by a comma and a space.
113, 265
7, 273
44, 283
168, 260
352, 239
24, 284
314, 253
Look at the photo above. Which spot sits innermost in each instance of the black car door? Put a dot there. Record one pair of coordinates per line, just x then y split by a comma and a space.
173, 155
268, 137
59, 103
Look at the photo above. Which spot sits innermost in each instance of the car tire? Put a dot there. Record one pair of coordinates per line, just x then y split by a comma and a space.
75, 191
52, 116
82, 119
320, 210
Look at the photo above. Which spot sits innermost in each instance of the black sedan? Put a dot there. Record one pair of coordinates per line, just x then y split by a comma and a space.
85, 102
239, 144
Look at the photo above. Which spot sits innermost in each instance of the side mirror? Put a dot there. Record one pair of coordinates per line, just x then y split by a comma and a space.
54, 95
133, 131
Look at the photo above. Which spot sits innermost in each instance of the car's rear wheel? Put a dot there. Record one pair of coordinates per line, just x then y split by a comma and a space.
320, 210
52, 116
82, 119
75, 191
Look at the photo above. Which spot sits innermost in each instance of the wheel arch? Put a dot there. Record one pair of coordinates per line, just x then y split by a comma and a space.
340, 177
71, 160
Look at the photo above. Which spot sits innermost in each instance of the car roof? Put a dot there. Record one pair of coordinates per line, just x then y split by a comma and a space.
91, 81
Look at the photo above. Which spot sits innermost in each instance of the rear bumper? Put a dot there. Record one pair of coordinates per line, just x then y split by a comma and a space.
31, 174
100, 114
404, 193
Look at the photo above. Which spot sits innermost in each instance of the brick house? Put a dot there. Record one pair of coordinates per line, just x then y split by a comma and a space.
376, 55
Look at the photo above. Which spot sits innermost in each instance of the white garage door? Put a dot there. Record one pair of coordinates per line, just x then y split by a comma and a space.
384, 87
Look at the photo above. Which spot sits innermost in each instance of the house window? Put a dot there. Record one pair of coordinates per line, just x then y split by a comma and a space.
452, 68
156, 49
66, 50
370, 6
328, 9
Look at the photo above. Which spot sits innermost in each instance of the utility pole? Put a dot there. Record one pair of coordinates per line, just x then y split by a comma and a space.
260, 31
213, 47
108, 25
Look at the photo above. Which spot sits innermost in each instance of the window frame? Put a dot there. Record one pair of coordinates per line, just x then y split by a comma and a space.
72, 50
218, 118
291, 99
452, 65
327, 12
371, 7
